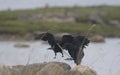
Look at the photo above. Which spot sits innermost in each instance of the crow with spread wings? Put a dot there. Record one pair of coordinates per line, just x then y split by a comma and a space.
74, 45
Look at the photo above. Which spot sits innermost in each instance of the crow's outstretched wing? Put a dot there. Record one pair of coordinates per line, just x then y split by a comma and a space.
73, 44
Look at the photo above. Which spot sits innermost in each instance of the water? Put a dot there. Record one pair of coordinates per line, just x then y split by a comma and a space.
23, 4
102, 57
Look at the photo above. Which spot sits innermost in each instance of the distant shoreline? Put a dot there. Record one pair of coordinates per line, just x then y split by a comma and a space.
30, 37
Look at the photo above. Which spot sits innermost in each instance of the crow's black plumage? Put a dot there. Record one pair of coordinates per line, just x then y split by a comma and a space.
73, 50
52, 42
74, 45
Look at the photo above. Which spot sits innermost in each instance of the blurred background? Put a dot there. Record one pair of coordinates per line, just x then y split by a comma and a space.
77, 16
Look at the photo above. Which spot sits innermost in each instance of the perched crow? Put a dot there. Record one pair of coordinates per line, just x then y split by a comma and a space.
74, 45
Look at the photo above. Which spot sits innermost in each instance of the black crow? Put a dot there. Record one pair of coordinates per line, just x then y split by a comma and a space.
67, 39
74, 45
52, 42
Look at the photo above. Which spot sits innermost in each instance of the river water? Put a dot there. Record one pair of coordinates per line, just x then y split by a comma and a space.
104, 58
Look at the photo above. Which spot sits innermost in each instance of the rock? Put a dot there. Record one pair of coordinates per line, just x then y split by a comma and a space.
37, 17
33, 69
114, 23
95, 18
97, 38
4, 70
30, 69
81, 70
52, 69
26, 70
23, 17
63, 65
21, 45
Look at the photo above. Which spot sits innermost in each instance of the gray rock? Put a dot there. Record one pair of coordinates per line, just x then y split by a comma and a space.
52, 69
63, 65
21, 45
33, 69
114, 23
95, 18
97, 38
81, 70
5, 70
30, 69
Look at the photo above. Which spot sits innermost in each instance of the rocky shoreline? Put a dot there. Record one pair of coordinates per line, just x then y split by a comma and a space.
29, 37
96, 38
47, 68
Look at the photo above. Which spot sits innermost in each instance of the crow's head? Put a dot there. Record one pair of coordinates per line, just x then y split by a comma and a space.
47, 36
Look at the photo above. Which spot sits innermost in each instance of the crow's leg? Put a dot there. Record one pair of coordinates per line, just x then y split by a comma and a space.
55, 55
62, 54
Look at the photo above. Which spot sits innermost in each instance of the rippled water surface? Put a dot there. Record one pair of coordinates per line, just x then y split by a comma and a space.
102, 57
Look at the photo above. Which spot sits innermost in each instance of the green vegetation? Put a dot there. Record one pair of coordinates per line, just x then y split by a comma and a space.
11, 23
24, 27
